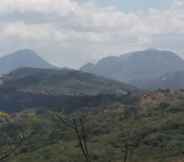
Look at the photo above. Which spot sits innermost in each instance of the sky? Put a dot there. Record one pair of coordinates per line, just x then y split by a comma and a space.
74, 32
132, 5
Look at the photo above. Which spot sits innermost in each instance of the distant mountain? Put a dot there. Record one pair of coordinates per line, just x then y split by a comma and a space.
173, 81
137, 67
62, 82
22, 58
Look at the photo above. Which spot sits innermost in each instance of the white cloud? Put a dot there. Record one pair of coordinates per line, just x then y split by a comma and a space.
71, 32
45, 6
179, 3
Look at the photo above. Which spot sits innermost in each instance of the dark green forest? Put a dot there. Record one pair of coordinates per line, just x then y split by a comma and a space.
151, 130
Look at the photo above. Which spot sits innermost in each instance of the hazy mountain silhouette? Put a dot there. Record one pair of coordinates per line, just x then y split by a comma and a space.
22, 58
173, 81
137, 67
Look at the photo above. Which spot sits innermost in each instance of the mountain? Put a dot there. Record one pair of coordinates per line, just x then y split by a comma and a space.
22, 58
136, 67
62, 82
63, 89
174, 81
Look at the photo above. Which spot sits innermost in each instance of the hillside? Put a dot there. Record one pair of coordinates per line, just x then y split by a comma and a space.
173, 81
22, 58
63, 82
136, 67
149, 131
64, 89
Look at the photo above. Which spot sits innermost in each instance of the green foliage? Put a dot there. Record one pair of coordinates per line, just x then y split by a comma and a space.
115, 134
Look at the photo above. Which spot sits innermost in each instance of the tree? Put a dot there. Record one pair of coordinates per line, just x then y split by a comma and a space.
132, 132
77, 124
13, 141
127, 141
19, 135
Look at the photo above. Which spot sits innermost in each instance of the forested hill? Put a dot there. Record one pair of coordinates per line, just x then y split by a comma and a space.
63, 82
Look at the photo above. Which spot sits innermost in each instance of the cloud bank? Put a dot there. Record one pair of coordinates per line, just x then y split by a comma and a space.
73, 32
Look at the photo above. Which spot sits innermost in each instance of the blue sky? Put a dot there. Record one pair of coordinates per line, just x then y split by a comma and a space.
130, 5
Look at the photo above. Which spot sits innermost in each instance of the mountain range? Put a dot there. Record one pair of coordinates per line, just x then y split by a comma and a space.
139, 68
145, 69
46, 112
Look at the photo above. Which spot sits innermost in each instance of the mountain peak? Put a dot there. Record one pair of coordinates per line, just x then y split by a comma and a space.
28, 51
23, 53
138, 66
22, 58
152, 49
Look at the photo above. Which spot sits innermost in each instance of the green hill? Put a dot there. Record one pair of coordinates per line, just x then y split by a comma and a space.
63, 82
65, 89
